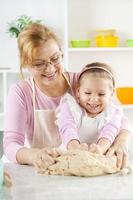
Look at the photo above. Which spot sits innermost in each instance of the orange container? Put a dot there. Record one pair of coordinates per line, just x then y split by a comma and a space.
125, 95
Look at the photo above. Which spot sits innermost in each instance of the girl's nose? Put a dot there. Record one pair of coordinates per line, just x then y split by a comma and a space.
94, 98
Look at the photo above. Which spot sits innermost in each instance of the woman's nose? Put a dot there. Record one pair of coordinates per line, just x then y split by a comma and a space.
49, 67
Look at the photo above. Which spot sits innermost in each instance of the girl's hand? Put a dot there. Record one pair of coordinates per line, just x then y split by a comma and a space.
75, 144
95, 148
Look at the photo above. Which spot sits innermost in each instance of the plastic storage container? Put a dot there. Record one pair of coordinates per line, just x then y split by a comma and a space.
129, 42
80, 43
125, 95
106, 32
106, 38
107, 41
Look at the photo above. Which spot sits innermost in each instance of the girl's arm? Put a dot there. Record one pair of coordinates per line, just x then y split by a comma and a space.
66, 124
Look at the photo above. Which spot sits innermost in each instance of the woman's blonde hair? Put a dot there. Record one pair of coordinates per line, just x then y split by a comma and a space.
98, 69
29, 39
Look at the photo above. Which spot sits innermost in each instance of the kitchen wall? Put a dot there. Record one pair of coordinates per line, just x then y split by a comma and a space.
51, 12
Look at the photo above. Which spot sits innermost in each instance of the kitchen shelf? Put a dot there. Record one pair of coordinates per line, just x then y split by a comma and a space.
98, 49
127, 106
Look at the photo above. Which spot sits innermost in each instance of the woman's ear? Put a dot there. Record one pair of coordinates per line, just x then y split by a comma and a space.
77, 94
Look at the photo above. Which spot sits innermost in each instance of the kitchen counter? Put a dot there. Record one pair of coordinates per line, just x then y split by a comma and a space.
27, 184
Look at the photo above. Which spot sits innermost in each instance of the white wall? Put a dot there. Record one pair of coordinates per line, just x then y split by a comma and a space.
85, 17
51, 12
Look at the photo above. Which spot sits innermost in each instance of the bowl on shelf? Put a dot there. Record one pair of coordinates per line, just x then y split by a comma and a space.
106, 32
80, 43
129, 42
125, 95
107, 41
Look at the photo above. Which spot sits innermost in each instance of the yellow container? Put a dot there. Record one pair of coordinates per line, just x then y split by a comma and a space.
107, 41
125, 95
106, 32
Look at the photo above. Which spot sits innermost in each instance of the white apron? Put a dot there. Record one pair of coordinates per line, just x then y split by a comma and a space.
88, 127
45, 130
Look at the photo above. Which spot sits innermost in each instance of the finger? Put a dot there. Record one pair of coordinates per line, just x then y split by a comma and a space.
84, 146
49, 160
60, 151
110, 152
92, 148
39, 167
125, 159
119, 155
54, 152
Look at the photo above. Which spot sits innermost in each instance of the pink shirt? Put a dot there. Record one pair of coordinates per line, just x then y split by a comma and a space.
19, 118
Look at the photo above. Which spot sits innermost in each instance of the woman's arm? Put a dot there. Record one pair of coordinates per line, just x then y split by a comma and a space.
120, 148
15, 122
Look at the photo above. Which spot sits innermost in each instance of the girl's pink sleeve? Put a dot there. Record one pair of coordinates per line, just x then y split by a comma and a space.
15, 123
66, 124
112, 128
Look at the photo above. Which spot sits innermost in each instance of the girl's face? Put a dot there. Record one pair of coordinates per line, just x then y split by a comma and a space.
94, 94
47, 65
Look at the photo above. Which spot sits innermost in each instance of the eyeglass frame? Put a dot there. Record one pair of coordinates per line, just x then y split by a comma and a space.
45, 63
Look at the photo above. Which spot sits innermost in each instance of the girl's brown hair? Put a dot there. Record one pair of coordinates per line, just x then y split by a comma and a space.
98, 69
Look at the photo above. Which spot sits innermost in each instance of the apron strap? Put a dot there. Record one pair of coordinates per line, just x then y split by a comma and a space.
68, 82
33, 96
33, 100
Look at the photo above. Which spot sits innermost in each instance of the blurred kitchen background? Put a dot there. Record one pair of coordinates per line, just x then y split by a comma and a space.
74, 20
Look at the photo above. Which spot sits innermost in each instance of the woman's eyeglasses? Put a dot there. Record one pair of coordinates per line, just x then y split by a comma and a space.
55, 60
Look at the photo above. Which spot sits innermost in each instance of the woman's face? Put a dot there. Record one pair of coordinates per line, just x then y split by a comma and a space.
47, 64
94, 94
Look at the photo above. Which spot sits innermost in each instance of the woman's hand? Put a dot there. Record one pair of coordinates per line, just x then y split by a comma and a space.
41, 159
121, 152
120, 149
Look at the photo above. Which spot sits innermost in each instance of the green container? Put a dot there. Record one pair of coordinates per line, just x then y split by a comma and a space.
129, 42
80, 43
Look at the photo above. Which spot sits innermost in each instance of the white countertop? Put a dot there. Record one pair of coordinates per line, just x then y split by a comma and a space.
27, 184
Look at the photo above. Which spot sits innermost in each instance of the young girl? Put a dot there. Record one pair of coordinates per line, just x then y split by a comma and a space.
92, 119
